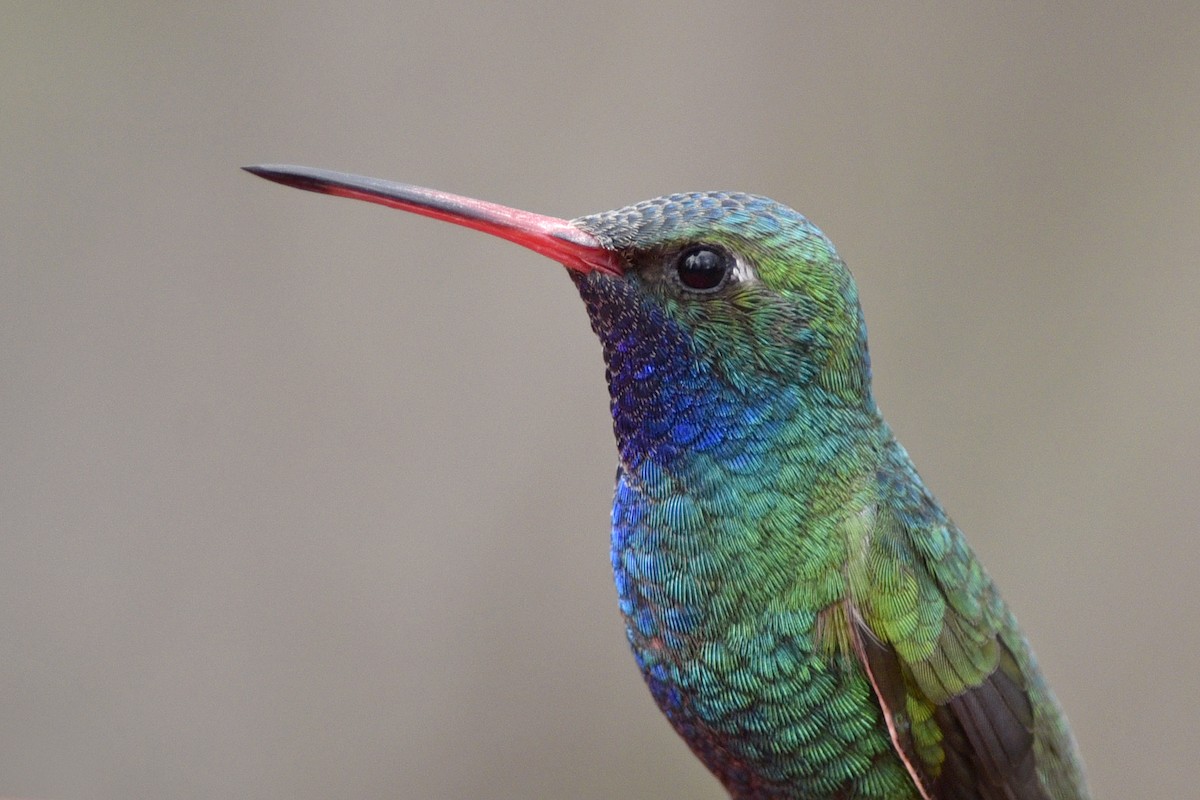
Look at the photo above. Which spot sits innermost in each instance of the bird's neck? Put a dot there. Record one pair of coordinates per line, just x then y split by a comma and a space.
684, 426
743, 496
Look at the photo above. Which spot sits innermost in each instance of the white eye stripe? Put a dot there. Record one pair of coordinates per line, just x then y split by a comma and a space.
742, 271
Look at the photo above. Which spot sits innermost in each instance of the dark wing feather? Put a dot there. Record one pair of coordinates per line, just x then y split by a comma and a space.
993, 742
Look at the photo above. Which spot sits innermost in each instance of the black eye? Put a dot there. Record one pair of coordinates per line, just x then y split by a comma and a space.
703, 268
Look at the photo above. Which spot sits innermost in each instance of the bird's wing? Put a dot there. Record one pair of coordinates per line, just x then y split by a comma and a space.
949, 667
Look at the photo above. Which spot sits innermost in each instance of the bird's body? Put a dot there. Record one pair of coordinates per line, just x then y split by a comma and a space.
802, 609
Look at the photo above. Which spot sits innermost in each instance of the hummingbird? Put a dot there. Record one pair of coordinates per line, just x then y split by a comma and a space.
806, 615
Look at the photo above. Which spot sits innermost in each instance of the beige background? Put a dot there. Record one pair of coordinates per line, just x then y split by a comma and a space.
303, 498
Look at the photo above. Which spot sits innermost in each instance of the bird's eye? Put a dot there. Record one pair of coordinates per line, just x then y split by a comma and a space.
703, 268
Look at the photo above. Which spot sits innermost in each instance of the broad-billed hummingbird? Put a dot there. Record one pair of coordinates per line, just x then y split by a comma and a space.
804, 612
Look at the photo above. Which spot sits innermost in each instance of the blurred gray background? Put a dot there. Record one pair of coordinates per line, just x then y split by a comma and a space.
304, 498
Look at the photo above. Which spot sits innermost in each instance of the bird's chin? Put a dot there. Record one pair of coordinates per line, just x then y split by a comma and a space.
591, 280
606, 296
615, 296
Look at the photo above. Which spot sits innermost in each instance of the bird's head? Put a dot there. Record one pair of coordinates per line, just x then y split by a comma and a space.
756, 291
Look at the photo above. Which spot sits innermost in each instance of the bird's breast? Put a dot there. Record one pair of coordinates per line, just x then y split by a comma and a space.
744, 680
